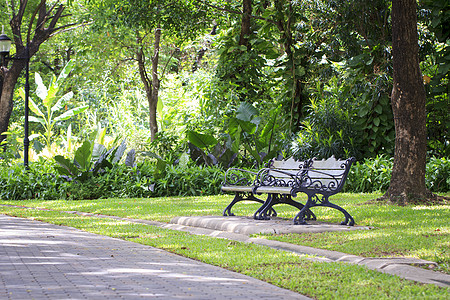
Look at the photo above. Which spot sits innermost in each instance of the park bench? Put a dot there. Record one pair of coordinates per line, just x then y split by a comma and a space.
279, 177
282, 180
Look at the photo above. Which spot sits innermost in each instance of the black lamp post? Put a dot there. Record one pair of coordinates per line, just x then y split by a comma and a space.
5, 46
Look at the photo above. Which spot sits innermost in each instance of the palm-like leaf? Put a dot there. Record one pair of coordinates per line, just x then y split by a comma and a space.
70, 113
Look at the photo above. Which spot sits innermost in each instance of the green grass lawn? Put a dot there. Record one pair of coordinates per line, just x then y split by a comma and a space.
415, 231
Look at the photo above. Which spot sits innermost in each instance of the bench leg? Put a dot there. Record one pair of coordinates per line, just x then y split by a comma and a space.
314, 201
300, 217
240, 196
309, 215
264, 211
348, 218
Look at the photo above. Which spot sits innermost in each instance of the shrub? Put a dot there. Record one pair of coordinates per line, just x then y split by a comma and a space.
438, 174
189, 181
145, 180
37, 182
370, 175
375, 174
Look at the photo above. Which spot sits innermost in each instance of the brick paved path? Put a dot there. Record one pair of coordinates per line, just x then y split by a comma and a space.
44, 261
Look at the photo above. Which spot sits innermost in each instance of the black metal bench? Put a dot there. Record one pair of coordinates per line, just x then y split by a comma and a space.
276, 180
284, 179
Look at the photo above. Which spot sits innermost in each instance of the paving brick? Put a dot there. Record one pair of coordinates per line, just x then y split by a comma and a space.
44, 261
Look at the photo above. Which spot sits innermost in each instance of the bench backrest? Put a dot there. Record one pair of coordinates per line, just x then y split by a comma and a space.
327, 176
280, 173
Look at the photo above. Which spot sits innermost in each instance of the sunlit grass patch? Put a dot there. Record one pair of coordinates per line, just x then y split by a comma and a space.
284, 269
412, 231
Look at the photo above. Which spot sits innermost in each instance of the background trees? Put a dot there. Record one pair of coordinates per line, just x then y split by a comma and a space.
255, 78
23, 17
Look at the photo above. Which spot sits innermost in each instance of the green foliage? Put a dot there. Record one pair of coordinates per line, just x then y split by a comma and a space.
435, 64
370, 175
438, 174
10, 147
37, 182
51, 104
167, 146
375, 174
90, 159
328, 130
247, 135
189, 181
40, 182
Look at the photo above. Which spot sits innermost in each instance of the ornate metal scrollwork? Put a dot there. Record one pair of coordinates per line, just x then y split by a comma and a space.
234, 176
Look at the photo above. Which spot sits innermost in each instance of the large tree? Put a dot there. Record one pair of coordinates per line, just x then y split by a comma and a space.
408, 104
150, 19
44, 18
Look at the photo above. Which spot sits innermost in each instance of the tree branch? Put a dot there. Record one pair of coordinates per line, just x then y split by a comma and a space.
232, 11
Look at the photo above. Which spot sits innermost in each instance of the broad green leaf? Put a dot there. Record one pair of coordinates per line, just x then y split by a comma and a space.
363, 111
37, 120
51, 95
233, 127
246, 111
41, 90
248, 127
83, 156
376, 121
261, 145
35, 108
271, 126
65, 72
237, 141
70, 113
253, 152
378, 109
201, 140
62, 101
67, 165
101, 136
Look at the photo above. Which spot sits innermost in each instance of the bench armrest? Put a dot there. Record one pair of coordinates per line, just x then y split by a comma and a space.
234, 176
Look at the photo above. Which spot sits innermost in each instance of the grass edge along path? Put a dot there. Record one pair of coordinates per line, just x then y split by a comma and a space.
416, 231
318, 280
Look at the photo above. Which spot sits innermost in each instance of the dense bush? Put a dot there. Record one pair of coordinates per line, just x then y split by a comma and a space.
375, 174
189, 181
37, 182
370, 175
438, 174
40, 181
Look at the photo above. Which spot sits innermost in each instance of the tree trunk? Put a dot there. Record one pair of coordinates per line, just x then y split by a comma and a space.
408, 104
151, 85
6, 104
45, 28
245, 25
285, 28
153, 101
